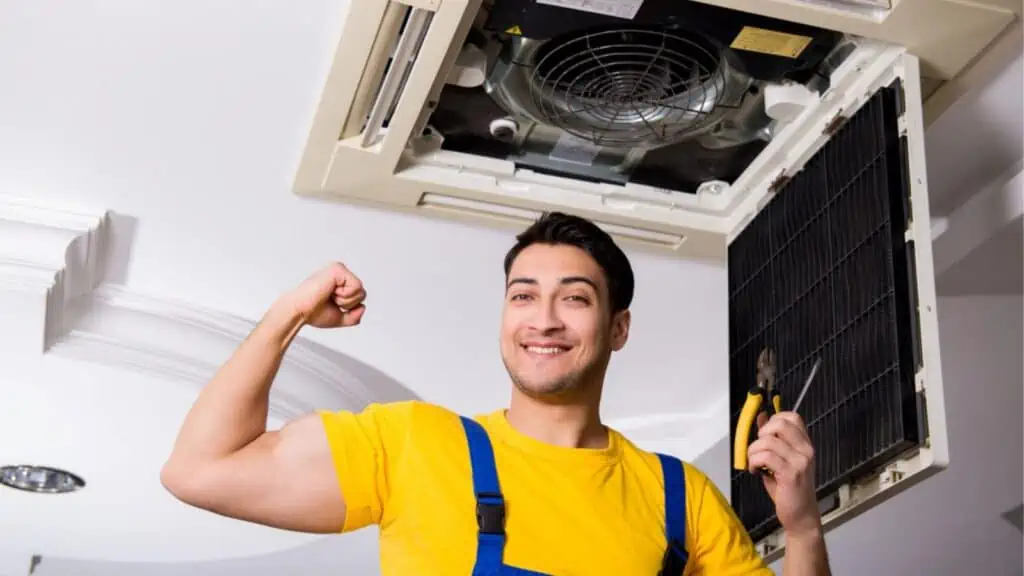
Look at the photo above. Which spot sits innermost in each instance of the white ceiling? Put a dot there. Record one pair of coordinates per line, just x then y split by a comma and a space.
186, 119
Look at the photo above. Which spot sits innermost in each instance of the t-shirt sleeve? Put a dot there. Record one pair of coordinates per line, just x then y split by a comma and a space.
367, 447
722, 545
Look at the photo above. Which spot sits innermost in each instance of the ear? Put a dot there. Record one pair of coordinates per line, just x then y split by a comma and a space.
620, 329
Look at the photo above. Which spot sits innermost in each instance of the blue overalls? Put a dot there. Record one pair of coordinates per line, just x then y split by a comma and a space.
490, 510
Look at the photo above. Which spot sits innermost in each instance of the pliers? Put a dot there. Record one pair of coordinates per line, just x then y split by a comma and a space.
764, 387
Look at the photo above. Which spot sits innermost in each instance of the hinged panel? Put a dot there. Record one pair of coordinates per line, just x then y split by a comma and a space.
835, 268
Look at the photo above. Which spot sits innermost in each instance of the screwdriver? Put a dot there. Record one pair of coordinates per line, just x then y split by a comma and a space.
807, 384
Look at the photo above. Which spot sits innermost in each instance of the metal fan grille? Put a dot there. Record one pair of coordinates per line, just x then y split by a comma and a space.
628, 87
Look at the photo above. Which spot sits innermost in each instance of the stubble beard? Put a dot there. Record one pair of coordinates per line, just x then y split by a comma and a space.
560, 388
564, 386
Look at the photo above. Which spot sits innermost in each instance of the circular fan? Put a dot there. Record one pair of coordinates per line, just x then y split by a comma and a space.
628, 86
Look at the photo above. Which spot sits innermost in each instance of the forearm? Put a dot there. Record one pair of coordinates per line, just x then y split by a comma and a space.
231, 410
805, 555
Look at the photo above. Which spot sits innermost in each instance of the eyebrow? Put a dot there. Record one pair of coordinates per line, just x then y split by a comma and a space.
563, 281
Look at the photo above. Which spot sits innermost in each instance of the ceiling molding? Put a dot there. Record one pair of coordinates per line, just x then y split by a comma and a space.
49, 256
985, 214
686, 435
52, 260
659, 426
978, 73
176, 340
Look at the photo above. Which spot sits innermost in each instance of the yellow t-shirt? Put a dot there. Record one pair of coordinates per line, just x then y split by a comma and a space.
406, 467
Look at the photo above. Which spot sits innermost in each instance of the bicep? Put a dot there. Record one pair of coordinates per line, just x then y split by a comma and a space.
284, 478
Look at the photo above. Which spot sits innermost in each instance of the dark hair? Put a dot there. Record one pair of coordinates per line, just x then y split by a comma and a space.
558, 228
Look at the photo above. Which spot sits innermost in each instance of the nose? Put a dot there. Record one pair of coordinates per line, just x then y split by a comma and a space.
546, 318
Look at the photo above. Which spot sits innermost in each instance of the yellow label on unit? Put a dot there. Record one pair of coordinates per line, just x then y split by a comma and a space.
770, 42
515, 31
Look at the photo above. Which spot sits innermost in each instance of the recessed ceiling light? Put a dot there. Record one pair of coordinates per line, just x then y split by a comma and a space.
42, 479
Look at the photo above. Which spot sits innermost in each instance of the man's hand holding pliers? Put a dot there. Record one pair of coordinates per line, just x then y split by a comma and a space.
784, 456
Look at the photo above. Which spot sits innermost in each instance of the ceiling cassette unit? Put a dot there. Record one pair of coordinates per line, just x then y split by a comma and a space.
670, 122
782, 136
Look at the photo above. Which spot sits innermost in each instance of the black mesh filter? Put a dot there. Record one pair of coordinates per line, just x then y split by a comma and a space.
824, 270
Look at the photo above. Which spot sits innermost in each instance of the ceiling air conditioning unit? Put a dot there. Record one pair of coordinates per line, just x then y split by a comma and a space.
784, 136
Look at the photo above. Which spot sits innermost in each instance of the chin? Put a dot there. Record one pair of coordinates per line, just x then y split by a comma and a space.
555, 380
548, 387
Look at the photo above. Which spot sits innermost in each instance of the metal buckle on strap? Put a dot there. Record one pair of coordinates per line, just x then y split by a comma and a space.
674, 560
490, 513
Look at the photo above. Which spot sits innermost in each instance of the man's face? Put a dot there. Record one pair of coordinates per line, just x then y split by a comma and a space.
557, 330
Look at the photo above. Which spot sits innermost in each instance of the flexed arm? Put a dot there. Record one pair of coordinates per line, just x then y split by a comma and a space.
224, 459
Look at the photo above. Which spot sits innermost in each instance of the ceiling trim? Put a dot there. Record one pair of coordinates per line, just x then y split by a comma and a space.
48, 257
685, 435
52, 302
181, 341
996, 206
978, 73
670, 424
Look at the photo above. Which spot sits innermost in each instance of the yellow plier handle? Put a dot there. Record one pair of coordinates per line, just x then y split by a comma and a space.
748, 415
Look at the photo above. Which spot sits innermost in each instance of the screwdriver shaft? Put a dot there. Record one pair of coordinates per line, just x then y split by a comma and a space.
807, 385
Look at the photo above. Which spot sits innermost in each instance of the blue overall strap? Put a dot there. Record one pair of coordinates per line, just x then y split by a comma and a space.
675, 516
490, 505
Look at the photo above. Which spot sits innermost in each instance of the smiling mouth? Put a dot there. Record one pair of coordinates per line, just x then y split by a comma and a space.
546, 351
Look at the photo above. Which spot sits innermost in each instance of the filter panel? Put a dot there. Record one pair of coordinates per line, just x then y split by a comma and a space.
825, 270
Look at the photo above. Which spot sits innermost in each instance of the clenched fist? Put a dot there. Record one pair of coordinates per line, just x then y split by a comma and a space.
330, 298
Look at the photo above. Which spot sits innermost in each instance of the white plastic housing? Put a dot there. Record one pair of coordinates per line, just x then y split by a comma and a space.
932, 456
396, 167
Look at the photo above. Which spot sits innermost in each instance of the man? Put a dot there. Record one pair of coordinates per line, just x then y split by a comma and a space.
540, 488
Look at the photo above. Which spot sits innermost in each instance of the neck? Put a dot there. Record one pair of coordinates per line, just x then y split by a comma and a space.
571, 423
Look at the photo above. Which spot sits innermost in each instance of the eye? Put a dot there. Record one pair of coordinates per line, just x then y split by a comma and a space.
578, 298
520, 296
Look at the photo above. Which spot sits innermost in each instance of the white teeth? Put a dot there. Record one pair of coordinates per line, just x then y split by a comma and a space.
551, 350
